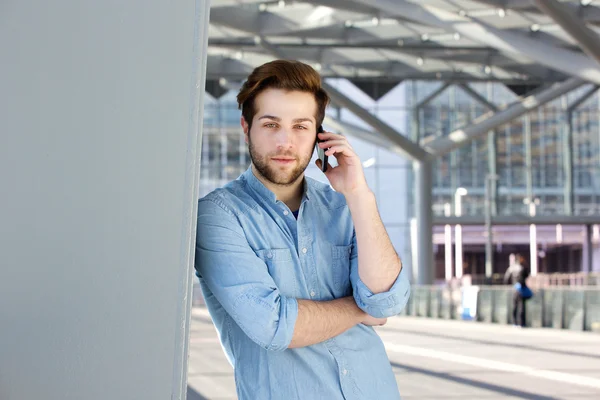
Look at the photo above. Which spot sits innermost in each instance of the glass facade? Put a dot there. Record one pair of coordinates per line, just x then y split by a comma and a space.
530, 156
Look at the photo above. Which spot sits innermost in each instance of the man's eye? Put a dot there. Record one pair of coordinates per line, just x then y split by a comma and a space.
300, 127
270, 125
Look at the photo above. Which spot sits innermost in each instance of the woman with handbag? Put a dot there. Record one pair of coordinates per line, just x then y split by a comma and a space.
518, 273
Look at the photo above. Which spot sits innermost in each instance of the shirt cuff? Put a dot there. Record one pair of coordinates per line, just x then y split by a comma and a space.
384, 304
288, 314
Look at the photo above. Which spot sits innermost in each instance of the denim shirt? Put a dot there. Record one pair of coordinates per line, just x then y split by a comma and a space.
254, 260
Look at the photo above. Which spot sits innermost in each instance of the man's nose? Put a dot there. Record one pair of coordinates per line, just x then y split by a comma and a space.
284, 139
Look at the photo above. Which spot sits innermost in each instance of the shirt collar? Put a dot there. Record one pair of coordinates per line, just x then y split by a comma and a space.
263, 191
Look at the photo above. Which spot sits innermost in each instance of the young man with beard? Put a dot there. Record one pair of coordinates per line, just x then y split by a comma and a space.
294, 273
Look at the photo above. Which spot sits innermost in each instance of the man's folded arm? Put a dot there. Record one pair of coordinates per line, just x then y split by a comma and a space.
240, 281
379, 305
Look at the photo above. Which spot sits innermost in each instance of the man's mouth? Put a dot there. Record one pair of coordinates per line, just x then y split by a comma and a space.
283, 160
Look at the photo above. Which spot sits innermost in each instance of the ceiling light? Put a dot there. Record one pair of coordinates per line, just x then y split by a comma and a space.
462, 13
257, 39
281, 3
424, 37
487, 69
535, 27
438, 75
586, 2
375, 21
348, 24
318, 66
457, 36
501, 12
238, 55
262, 7
222, 81
400, 42
420, 61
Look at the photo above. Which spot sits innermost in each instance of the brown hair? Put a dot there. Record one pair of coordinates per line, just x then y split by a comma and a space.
282, 74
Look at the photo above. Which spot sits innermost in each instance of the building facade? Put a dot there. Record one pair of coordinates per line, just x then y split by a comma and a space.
549, 157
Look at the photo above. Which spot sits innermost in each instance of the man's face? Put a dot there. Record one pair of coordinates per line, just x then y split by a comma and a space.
283, 134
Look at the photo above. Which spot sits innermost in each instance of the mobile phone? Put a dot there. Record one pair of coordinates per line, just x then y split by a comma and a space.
321, 152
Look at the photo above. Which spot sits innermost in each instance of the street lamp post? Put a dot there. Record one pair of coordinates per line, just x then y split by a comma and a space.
458, 260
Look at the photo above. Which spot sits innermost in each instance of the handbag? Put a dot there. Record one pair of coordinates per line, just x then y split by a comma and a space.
523, 291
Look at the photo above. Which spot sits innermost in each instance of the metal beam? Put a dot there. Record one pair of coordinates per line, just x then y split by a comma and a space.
244, 41
416, 113
583, 98
478, 98
409, 148
433, 95
345, 128
561, 13
569, 62
490, 121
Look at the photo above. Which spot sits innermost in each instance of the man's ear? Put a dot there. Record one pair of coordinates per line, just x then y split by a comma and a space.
245, 127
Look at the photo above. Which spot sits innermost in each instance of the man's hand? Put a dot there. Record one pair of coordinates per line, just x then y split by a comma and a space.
347, 177
372, 321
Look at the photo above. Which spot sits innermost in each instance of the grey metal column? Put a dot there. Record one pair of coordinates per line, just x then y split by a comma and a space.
424, 213
588, 249
489, 255
528, 160
101, 108
567, 149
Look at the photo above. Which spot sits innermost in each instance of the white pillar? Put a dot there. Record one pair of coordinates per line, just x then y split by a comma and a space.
458, 261
448, 244
533, 247
101, 110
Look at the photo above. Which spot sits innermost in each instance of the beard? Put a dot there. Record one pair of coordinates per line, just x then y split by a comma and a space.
273, 173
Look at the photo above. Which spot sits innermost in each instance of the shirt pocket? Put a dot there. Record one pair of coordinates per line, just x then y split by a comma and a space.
340, 256
281, 266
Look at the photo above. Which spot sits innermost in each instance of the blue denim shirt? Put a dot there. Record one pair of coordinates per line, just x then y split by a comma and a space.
254, 260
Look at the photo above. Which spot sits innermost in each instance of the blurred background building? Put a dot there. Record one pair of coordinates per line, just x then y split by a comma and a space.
428, 70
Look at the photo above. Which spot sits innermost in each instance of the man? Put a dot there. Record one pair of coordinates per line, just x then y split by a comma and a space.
295, 274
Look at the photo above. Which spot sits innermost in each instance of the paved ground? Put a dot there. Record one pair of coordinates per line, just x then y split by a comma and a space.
436, 359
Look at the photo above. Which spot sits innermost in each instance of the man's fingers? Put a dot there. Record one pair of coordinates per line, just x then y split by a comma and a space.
337, 142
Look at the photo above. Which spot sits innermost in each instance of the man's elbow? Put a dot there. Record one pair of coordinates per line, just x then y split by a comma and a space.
385, 311
270, 326
385, 304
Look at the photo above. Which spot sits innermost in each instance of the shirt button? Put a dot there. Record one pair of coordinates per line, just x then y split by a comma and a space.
312, 293
269, 255
345, 372
285, 212
304, 250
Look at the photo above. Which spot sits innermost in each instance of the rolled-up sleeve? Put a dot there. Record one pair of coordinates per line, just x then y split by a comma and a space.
240, 280
379, 305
